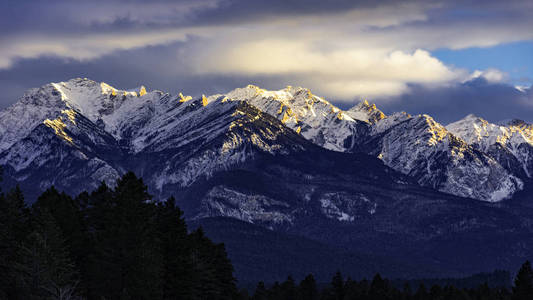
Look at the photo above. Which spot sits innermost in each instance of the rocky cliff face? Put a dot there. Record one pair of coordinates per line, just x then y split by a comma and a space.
510, 143
424, 149
182, 139
97, 132
414, 145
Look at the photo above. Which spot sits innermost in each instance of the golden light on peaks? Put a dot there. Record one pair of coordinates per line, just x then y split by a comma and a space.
437, 131
107, 89
285, 118
71, 114
60, 90
280, 108
309, 94
204, 100
184, 98
298, 129
142, 91
59, 128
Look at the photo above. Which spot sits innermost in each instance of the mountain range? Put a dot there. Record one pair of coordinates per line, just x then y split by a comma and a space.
434, 197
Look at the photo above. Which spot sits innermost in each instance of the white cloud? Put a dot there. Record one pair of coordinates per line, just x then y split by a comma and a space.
491, 75
343, 73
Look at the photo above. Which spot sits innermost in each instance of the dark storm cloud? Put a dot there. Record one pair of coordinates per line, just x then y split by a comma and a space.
86, 16
491, 101
93, 16
128, 43
97, 15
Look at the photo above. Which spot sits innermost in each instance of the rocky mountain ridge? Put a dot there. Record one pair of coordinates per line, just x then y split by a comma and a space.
456, 159
413, 145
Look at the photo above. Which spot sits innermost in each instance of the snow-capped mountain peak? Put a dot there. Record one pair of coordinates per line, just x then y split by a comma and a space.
298, 108
510, 143
476, 130
426, 150
99, 102
367, 112
95, 100
473, 129
251, 91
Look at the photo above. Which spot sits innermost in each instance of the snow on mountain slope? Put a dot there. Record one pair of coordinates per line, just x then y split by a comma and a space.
313, 117
31, 110
96, 101
213, 138
367, 112
171, 141
422, 148
417, 146
110, 108
509, 143
138, 123
69, 152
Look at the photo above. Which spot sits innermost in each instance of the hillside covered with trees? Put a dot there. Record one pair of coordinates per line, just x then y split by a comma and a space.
117, 243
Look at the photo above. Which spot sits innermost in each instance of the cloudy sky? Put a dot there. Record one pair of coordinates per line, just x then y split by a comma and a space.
444, 58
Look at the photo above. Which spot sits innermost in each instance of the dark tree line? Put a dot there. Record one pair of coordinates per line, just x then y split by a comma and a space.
382, 289
109, 244
116, 243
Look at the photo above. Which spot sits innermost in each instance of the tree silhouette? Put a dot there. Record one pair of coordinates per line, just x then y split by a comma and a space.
523, 284
45, 269
307, 289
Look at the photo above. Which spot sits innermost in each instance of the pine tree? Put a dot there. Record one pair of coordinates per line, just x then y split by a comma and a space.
275, 292
102, 271
213, 272
45, 269
126, 259
407, 293
523, 284
14, 217
337, 283
68, 216
435, 291
353, 290
138, 243
243, 295
175, 246
421, 293
136, 240
260, 292
16, 213
379, 288
307, 289
288, 289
